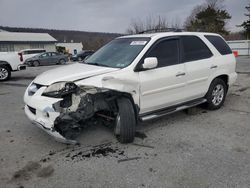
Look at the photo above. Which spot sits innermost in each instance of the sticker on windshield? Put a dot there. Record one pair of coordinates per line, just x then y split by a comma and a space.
138, 43
121, 65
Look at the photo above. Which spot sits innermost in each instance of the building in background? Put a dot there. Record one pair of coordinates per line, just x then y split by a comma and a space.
71, 48
16, 41
241, 46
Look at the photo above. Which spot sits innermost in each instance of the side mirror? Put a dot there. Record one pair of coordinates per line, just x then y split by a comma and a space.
150, 63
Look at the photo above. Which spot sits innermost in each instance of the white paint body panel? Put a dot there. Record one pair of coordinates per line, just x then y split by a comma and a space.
71, 72
161, 88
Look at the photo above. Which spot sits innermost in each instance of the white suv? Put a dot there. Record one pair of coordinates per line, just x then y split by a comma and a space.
132, 78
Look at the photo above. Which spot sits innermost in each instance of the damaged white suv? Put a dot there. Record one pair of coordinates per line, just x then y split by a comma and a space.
132, 78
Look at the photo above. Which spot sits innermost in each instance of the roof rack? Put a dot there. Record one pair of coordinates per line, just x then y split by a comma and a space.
162, 30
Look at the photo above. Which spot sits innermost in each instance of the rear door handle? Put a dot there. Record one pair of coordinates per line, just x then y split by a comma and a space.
180, 74
213, 67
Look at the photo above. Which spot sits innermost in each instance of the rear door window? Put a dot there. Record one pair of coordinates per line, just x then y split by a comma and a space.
219, 44
193, 48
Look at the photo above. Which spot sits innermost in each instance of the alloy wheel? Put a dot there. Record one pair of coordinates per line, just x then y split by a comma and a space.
3, 73
218, 94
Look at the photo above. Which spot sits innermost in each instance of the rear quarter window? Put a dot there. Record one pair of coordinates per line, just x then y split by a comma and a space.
219, 44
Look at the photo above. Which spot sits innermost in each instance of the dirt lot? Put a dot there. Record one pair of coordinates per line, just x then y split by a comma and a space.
207, 149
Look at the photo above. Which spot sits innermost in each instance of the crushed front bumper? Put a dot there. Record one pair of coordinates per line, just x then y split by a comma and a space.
45, 125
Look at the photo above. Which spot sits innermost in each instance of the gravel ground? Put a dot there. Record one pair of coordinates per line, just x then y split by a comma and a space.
206, 149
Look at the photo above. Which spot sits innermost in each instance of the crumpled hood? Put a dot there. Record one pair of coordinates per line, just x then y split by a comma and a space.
73, 72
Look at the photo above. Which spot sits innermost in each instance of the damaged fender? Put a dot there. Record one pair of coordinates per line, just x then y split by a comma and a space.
80, 110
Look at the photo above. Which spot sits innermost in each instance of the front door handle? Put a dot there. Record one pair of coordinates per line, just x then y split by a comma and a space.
213, 67
180, 74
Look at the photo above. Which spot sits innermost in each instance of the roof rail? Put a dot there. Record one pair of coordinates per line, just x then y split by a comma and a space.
169, 29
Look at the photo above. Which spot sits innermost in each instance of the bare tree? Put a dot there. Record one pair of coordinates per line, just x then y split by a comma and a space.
150, 23
136, 26
176, 23
216, 4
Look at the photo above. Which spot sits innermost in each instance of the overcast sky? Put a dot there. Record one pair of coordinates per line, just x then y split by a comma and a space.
103, 15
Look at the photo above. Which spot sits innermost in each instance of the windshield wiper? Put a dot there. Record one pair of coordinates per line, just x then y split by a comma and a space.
97, 64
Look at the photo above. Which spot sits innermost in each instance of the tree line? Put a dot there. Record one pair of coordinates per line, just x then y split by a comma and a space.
90, 40
211, 16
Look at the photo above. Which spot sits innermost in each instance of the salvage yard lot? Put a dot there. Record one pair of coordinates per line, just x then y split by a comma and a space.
206, 149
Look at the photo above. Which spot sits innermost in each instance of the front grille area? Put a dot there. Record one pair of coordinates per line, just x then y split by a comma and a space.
33, 110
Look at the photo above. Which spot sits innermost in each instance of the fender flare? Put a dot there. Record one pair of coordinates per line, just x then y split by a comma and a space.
6, 63
120, 94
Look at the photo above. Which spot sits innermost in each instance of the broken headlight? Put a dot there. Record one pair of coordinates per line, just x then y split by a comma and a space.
33, 88
60, 89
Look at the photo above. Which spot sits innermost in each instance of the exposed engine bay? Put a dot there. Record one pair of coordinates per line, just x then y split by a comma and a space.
84, 107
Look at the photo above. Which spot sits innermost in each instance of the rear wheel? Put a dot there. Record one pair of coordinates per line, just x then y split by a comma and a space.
216, 94
62, 61
79, 58
5, 72
36, 63
125, 121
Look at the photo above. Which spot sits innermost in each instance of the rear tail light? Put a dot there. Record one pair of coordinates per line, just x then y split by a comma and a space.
20, 56
235, 53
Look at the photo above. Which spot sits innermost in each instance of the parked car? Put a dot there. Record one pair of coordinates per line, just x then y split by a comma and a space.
81, 55
131, 79
47, 58
13, 61
28, 53
10, 61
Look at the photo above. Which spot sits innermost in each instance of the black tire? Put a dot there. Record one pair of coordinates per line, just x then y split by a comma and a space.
62, 61
5, 73
79, 59
214, 101
125, 121
36, 63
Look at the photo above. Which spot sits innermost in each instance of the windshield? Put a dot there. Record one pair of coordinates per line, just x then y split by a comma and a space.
119, 53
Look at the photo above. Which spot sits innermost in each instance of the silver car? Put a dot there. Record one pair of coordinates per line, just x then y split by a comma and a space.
47, 58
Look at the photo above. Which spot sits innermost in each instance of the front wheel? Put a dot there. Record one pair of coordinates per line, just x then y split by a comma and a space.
216, 94
125, 121
5, 73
